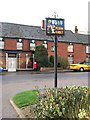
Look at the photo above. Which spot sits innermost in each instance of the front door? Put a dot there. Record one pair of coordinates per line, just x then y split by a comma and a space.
12, 64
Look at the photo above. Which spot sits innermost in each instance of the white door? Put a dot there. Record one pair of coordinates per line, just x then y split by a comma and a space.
12, 64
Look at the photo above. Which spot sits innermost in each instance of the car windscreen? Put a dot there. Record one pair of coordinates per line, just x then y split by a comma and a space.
80, 63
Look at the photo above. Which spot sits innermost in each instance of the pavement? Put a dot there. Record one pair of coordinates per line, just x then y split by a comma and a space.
36, 72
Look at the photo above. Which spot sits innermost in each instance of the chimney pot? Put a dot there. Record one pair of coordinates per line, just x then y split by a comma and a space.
76, 29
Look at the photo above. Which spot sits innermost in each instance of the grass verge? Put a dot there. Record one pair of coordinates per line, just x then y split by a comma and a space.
25, 98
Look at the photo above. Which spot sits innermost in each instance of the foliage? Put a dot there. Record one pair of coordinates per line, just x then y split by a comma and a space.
60, 103
52, 59
50, 64
41, 56
25, 98
49, 30
64, 63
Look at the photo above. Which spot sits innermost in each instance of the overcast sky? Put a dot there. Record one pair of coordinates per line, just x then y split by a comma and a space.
31, 12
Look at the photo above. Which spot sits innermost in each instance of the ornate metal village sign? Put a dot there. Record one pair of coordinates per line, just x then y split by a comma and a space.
55, 27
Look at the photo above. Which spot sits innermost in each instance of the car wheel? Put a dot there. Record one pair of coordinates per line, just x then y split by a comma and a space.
81, 69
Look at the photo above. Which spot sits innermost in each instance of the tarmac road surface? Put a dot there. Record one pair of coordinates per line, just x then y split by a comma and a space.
13, 83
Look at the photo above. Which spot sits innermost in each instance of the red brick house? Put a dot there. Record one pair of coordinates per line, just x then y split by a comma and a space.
17, 46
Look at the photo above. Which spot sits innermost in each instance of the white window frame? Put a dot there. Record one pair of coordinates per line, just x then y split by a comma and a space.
87, 58
45, 44
87, 48
1, 43
32, 45
19, 44
52, 48
70, 47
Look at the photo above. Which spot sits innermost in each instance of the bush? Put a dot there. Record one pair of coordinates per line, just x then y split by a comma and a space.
52, 59
64, 63
41, 56
50, 64
59, 103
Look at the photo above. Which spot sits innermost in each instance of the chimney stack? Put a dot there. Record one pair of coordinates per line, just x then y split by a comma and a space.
76, 29
43, 24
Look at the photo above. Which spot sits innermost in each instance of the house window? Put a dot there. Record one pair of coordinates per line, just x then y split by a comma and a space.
24, 61
32, 45
45, 44
87, 48
3, 60
70, 47
21, 61
19, 44
52, 48
70, 59
87, 58
29, 61
1, 43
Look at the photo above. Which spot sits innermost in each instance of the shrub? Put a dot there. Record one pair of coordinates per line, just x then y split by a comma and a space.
58, 65
50, 64
59, 103
41, 56
52, 59
64, 63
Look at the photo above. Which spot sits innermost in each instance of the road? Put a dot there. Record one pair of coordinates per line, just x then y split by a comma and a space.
13, 83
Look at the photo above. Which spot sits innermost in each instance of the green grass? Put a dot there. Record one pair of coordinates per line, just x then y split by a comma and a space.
25, 98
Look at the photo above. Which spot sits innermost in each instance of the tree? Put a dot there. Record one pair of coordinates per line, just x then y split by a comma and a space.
41, 56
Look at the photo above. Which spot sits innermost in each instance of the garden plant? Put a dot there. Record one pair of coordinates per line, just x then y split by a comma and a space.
59, 103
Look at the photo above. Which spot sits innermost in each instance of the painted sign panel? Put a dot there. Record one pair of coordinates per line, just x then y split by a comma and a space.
54, 26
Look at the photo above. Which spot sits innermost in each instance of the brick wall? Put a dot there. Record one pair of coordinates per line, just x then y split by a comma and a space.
49, 49
26, 45
62, 49
10, 44
79, 52
39, 42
